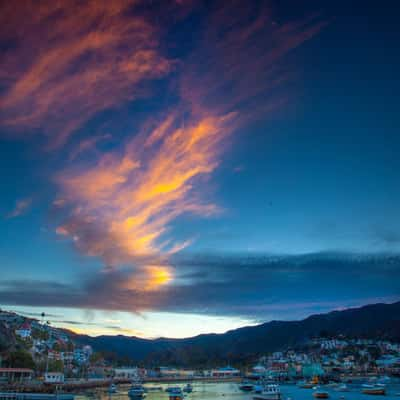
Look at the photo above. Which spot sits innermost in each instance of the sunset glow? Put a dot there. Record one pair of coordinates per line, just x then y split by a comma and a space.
231, 161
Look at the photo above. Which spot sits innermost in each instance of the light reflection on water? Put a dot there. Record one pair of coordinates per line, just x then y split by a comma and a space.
230, 391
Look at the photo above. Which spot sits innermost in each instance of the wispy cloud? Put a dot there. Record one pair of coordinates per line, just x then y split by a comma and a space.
22, 206
71, 60
86, 145
122, 206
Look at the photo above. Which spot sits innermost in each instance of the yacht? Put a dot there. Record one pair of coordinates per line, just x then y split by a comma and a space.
188, 388
175, 393
136, 391
342, 388
258, 388
375, 389
271, 391
112, 388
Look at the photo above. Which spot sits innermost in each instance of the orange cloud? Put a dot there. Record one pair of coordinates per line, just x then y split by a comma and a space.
124, 203
71, 60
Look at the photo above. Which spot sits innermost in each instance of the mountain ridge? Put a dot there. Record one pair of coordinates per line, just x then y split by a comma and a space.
380, 320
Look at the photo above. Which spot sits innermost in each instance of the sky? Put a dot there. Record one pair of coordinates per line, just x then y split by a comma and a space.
171, 168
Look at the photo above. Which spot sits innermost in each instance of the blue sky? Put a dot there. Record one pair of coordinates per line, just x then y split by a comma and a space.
227, 138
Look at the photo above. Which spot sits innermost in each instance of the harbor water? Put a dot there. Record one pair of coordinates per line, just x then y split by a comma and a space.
230, 391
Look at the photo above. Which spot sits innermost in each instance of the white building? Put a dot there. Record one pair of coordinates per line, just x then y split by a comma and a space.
126, 373
82, 356
175, 372
54, 377
24, 330
225, 372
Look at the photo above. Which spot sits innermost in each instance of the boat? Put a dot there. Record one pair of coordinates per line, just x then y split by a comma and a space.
320, 394
258, 388
342, 388
188, 388
271, 391
112, 388
136, 391
374, 389
170, 389
175, 393
384, 379
305, 385
246, 386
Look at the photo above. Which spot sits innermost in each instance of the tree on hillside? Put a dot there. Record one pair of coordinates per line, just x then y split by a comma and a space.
21, 359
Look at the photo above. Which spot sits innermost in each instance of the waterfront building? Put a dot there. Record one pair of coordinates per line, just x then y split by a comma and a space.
126, 373
225, 372
54, 377
12, 375
259, 371
176, 372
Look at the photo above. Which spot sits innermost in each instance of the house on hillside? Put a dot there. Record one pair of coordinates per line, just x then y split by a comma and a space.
24, 331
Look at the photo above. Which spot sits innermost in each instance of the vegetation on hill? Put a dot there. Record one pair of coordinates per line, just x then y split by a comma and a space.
242, 345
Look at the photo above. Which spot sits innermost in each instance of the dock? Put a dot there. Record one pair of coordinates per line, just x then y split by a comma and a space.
35, 396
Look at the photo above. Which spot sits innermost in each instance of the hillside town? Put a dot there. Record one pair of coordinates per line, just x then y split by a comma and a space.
33, 350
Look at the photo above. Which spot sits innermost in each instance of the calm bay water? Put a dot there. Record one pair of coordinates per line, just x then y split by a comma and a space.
230, 391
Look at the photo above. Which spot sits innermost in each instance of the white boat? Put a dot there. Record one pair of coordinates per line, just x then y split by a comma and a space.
258, 388
384, 379
136, 391
112, 388
188, 388
175, 393
374, 389
342, 388
170, 389
271, 391
305, 385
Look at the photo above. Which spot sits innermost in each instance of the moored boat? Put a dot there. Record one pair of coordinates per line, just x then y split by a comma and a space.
258, 388
136, 391
321, 394
270, 391
246, 386
188, 388
112, 388
305, 385
342, 388
175, 393
373, 389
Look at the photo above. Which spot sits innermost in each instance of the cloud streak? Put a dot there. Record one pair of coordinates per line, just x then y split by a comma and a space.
21, 207
71, 60
258, 287
122, 206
